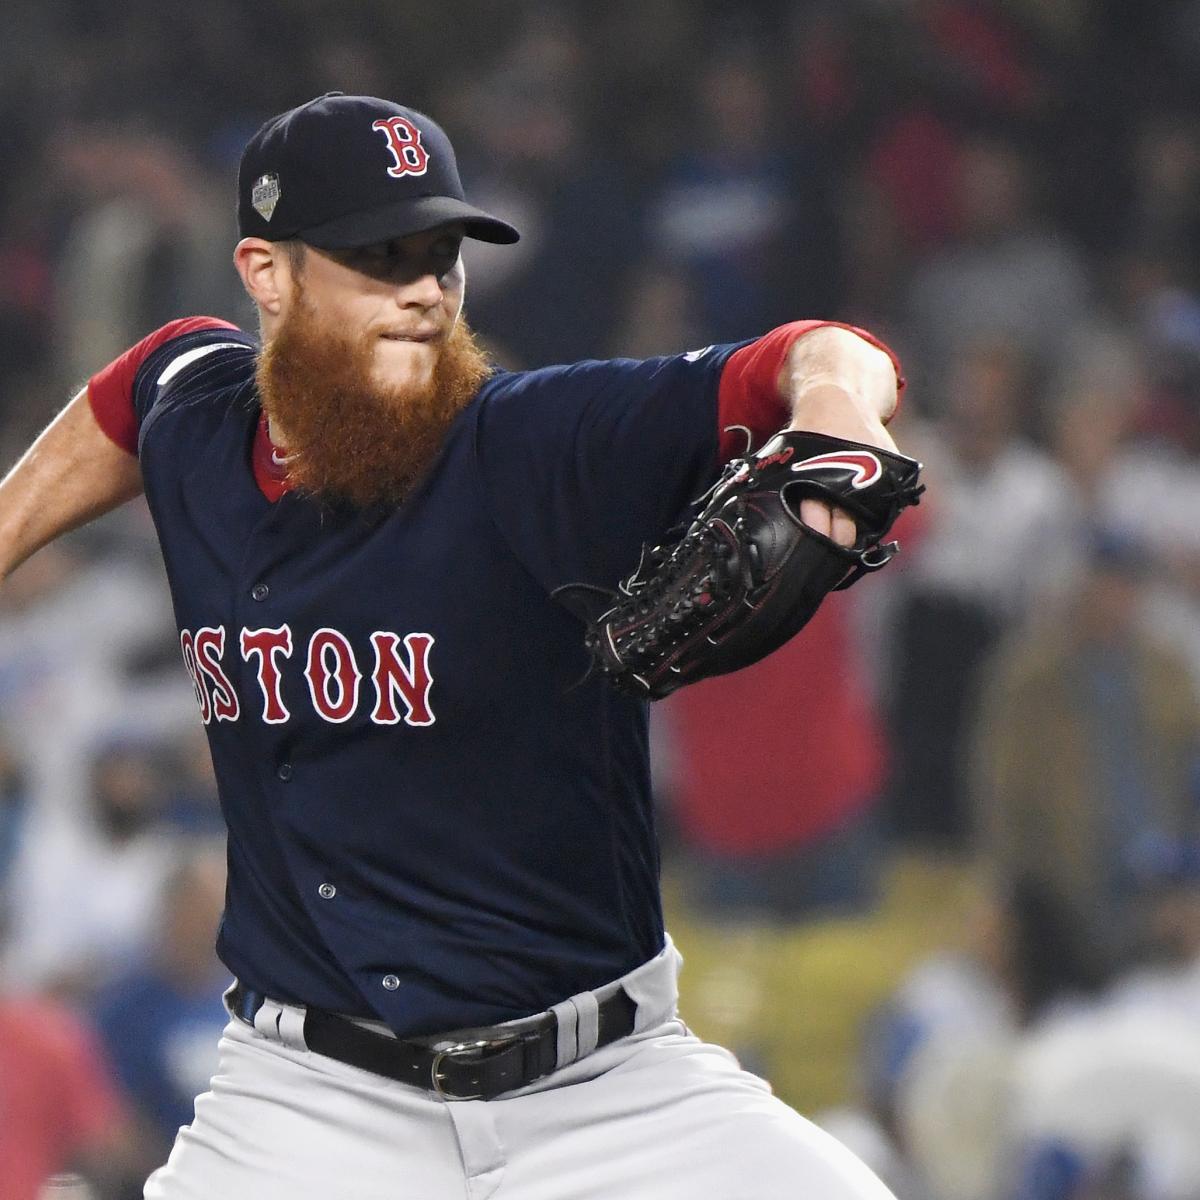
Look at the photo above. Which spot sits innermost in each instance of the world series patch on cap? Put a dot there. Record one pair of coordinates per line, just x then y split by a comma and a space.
264, 196
342, 171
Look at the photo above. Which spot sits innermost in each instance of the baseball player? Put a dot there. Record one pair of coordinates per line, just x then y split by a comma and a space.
442, 914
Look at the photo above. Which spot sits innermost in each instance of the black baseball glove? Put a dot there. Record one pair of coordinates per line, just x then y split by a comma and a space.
746, 574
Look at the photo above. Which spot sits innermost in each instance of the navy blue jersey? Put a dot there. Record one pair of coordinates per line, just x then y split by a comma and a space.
427, 822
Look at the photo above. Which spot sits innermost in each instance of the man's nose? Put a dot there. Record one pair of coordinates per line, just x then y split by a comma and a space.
425, 291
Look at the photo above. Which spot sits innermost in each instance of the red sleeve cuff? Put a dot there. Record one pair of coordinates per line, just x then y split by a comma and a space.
110, 390
749, 390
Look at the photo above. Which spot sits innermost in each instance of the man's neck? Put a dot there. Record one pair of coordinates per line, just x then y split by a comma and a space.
278, 436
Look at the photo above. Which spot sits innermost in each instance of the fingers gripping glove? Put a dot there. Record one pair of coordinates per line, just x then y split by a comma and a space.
747, 573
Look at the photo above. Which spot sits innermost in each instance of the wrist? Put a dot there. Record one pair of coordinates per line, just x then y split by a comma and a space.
832, 365
831, 408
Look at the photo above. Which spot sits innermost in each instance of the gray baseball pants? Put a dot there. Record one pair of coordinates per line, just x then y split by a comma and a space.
657, 1115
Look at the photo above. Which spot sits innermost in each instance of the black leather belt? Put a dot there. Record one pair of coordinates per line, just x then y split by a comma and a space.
470, 1064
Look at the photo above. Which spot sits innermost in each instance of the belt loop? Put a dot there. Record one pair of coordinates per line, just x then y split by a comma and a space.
568, 1024
588, 1030
266, 1020
291, 1026
281, 1023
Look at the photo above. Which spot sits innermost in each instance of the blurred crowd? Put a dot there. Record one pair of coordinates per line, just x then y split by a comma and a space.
1008, 191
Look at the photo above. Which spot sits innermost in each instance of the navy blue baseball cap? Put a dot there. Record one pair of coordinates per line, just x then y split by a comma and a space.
343, 171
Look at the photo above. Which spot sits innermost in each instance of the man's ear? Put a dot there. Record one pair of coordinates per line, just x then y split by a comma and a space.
266, 272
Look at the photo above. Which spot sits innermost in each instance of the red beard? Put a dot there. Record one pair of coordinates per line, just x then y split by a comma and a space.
350, 438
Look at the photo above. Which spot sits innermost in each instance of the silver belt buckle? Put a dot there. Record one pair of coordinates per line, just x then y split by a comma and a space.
475, 1048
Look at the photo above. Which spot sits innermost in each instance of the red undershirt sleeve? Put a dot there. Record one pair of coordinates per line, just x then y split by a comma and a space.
110, 390
749, 393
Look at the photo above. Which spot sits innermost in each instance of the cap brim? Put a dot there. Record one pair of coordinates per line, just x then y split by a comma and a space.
414, 215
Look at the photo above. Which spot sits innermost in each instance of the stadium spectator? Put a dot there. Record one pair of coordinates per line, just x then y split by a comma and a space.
537, 161
939, 1053
763, 840
731, 206
59, 1108
84, 896
1105, 1100
1087, 740
994, 526
160, 1020
139, 249
1006, 274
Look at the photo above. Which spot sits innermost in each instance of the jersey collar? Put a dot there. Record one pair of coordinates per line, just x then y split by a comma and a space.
269, 473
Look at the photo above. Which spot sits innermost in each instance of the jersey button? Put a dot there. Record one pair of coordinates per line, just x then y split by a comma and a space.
327, 891
391, 982
284, 771
259, 591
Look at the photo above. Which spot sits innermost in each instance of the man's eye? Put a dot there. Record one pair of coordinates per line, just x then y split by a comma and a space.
381, 251
391, 256
447, 250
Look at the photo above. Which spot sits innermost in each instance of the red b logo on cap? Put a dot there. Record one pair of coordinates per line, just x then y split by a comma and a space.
404, 141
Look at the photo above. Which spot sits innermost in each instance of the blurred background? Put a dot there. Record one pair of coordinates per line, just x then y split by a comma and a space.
934, 867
